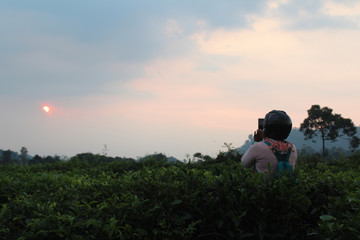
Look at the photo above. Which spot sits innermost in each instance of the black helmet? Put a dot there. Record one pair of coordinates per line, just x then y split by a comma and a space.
277, 125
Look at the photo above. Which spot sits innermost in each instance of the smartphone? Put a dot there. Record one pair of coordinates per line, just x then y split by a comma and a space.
261, 123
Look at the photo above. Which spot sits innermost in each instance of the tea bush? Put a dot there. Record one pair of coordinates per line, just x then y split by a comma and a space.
152, 199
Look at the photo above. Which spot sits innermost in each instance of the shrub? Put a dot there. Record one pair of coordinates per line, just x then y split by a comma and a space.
154, 199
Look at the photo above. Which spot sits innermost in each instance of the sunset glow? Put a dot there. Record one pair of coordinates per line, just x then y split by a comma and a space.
176, 79
46, 109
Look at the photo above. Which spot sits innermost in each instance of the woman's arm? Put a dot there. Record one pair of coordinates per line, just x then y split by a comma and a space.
249, 157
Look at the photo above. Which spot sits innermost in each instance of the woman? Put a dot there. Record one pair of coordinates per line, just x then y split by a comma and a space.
271, 150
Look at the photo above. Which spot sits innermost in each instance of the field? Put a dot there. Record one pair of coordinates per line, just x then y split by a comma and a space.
154, 199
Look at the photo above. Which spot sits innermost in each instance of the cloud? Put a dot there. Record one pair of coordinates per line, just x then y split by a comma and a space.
173, 28
287, 71
37, 62
275, 4
269, 44
53, 55
264, 38
147, 76
345, 9
313, 15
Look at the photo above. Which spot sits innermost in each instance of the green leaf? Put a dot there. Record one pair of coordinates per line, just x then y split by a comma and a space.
176, 202
141, 231
327, 217
3, 210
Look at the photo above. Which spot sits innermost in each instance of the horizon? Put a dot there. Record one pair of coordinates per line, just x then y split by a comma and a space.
174, 78
300, 143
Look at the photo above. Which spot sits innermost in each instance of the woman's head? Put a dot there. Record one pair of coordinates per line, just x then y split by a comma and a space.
277, 125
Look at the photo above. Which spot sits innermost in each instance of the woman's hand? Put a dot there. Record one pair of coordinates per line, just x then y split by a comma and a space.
258, 135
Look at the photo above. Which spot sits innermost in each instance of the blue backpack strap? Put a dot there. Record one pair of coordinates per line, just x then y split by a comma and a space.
283, 160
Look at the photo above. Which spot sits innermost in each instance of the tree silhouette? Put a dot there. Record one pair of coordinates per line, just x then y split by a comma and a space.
330, 126
23, 154
6, 157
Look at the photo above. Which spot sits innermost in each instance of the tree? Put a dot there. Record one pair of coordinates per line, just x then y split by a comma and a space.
36, 159
23, 152
330, 126
6, 157
200, 157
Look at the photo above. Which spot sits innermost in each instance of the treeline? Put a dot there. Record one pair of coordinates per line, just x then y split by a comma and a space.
11, 157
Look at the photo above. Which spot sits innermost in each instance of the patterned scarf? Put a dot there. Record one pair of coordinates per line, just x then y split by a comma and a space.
279, 145
280, 148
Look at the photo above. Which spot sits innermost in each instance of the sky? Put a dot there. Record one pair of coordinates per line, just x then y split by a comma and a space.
166, 76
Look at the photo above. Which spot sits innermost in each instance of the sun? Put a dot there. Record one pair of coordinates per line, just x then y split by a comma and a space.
46, 109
